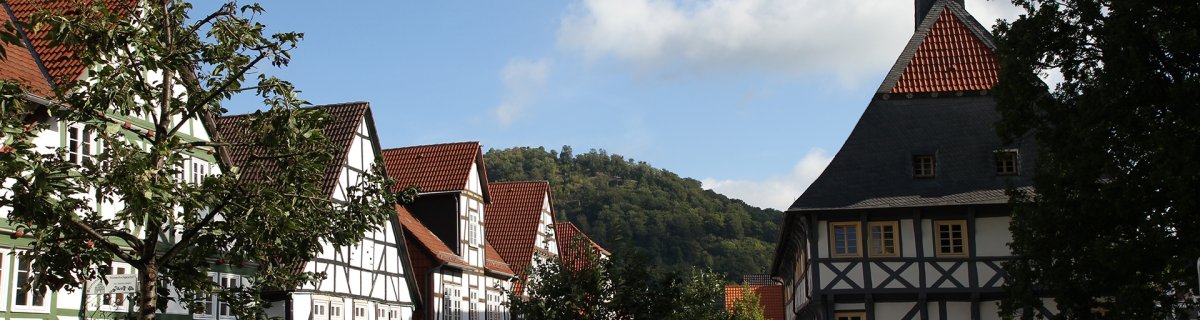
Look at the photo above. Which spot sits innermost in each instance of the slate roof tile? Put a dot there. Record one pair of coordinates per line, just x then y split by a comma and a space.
341, 128
434, 168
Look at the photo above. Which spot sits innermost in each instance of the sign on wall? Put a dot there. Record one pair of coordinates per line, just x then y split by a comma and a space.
117, 283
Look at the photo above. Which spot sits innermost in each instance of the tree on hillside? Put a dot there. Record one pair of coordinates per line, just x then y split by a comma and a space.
160, 62
673, 220
620, 287
1112, 226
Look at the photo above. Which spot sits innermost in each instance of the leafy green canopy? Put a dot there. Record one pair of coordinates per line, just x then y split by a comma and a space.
1113, 228
159, 62
670, 219
622, 286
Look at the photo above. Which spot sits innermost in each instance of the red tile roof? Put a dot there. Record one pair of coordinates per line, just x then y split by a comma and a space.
19, 65
340, 128
429, 242
572, 254
512, 219
495, 263
770, 298
951, 57
60, 61
435, 168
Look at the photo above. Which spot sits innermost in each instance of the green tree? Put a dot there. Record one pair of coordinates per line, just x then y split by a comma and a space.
618, 287
160, 61
748, 306
1111, 230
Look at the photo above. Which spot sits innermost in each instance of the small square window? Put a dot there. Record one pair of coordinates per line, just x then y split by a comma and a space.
882, 238
853, 315
844, 239
924, 166
1006, 162
951, 238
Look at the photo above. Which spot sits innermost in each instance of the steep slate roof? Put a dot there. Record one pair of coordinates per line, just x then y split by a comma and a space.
341, 128
59, 61
435, 168
873, 168
20, 65
566, 233
950, 51
495, 263
427, 240
512, 220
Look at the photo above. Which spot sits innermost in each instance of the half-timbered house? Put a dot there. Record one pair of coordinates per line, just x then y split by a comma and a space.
520, 225
372, 280
910, 218
41, 67
458, 279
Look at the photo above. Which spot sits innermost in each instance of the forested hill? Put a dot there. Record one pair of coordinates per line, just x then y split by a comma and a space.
622, 203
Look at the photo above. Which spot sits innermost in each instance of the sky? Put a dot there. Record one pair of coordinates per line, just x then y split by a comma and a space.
750, 97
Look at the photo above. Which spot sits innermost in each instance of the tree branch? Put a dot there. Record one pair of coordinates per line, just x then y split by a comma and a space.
199, 105
104, 242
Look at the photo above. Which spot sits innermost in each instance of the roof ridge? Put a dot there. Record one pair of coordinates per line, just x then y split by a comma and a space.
520, 182
435, 145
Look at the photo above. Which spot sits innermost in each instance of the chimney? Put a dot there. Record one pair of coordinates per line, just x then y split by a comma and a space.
922, 9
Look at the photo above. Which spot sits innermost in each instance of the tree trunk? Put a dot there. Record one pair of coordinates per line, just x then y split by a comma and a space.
148, 290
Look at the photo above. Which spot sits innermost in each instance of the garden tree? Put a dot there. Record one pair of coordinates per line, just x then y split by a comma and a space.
618, 287
748, 306
160, 61
1111, 228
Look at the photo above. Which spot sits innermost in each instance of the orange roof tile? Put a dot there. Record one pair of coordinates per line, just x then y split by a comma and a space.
770, 298
426, 239
341, 128
435, 168
573, 255
951, 57
60, 61
495, 263
512, 218
19, 65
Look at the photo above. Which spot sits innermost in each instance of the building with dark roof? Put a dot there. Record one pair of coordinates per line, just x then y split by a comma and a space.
910, 218
520, 224
374, 276
462, 274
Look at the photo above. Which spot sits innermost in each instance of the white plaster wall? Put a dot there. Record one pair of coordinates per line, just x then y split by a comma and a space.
927, 237
822, 239
892, 310
989, 310
908, 238
992, 236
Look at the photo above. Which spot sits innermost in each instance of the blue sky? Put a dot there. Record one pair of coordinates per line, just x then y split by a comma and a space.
752, 97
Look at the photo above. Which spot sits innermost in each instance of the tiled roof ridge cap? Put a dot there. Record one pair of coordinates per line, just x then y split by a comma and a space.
922, 31
320, 106
434, 145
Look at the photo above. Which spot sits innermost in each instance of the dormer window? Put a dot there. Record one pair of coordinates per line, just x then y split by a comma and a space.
924, 166
1006, 162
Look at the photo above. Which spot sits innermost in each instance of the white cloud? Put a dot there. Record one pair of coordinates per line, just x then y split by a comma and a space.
777, 191
849, 39
523, 81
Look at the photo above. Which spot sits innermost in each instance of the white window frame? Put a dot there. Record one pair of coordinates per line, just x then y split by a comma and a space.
473, 227
45, 303
321, 310
335, 311
360, 311
5, 267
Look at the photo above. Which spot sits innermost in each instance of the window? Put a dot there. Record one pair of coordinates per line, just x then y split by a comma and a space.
951, 238
451, 303
924, 166
213, 304
844, 238
228, 282
360, 312
881, 238
24, 296
854, 315
473, 228
80, 145
380, 313
335, 311
1006, 162
319, 310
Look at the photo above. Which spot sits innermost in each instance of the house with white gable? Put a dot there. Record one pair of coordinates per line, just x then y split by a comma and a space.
41, 67
520, 225
458, 279
372, 280
910, 219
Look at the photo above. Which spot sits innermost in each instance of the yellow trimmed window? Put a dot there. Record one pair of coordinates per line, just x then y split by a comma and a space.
924, 166
883, 238
950, 238
845, 239
851, 315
